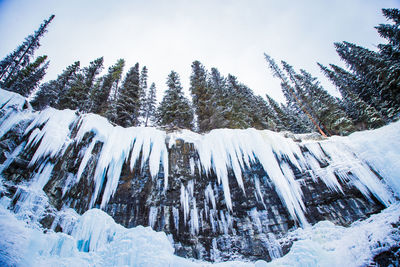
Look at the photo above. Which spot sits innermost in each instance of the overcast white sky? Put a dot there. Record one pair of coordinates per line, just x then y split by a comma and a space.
231, 35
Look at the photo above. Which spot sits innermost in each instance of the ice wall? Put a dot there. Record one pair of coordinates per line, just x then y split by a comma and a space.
221, 151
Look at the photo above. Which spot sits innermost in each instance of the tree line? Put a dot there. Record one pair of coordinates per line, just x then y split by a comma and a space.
369, 88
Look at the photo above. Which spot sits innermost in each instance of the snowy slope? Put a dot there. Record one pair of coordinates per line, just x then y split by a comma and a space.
94, 239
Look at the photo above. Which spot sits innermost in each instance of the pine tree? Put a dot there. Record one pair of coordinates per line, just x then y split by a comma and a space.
377, 72
104, 97
238, 104
391, 32
20, 58
175, 109
364, 115
326, 108
291, 96
150, 107
280, 117
201, 96
50, 92
26, 80
217, 86
142, 94
262, 115
84, 82
129, 99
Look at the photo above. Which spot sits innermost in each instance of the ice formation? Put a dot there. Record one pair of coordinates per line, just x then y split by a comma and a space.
95, 239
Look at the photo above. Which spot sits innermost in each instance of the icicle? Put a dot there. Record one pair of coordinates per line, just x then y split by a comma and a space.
259, 195
194, 219
256, 219
224, 149
343, 162
54, 136
153, 216
175, 213
223, 226
213, 215
215, 253
12, 118
209, 195
41, 178
191, 164
11, 157
184, 203
118, 144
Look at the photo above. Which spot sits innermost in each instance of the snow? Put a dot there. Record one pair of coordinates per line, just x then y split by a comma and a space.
110, 244
53, 138
326, 244
380, 149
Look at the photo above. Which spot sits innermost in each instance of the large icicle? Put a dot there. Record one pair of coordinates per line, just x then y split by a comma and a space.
225, 149
53, 138
118, 144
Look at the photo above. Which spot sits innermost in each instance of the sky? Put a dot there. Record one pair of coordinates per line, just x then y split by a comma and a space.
231, 35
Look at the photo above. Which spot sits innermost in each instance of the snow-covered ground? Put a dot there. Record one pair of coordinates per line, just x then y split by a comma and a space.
94, 239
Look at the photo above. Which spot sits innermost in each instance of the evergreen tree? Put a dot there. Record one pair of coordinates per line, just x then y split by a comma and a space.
326, 108
20, 57
150, 107
364, 115
49, 93
379, 73
263, 116
129, 99
391, 32
238, 104
104, 95
175, 109
280, 117
295, 104
142, 94
84, 82
201, 96
29, 78
217, 86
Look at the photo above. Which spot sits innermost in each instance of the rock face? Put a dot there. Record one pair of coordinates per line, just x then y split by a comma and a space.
192, 206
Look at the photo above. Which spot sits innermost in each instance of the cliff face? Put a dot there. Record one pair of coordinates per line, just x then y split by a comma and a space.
224, 195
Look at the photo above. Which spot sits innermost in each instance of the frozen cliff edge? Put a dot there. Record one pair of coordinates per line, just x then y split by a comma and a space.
365, 161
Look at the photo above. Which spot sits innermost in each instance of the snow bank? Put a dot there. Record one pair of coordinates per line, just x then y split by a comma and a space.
96, 240
325, 244
380, 148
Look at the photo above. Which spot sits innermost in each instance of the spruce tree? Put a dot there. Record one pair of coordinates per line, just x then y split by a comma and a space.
26, 80
201, 96
150, 107
51, 92
326, 108
364, 115
82, 86
217, 86
280, 117
295, 104
175, 109
238, 104
104, 95
391, 32
379, 73
142, 94
20, 57
129, 100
